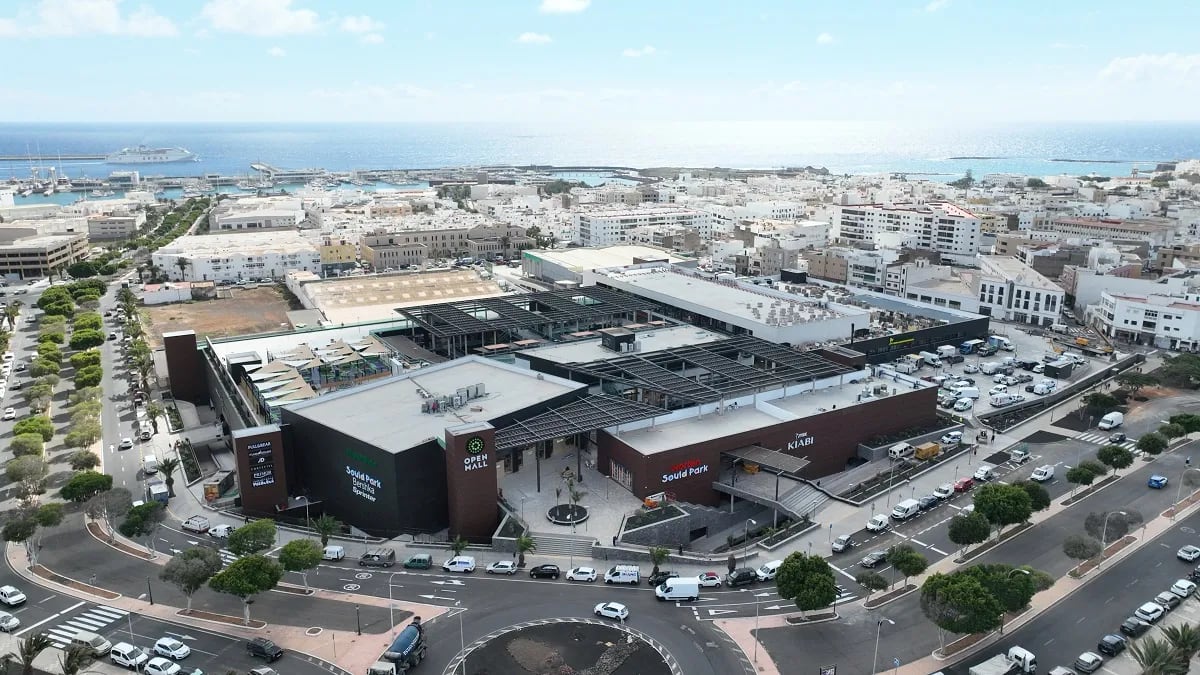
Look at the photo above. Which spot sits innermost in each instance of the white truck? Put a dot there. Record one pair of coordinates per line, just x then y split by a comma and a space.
931, 359
1017, 660
1111, 421
946, 351
198, 524
679, 588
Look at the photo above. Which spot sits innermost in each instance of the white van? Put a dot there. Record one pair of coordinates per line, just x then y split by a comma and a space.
964, 404
1111, 421
906, 509
88, 640
459, 563
1042, 388
968, 392
678, 588
150, 464
900, 451
623, 574
1001, 400
768, 570
989, 368
333, 552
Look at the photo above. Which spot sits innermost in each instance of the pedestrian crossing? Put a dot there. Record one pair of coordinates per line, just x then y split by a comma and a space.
227, 556
94, 620
1102, 439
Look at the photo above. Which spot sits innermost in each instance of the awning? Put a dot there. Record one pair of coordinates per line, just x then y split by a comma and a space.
769, 459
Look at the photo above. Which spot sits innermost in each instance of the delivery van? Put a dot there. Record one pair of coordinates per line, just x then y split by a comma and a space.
150, 464
678, 588
768, 570
900, 451
624, 574
1001, 400
968, 392
1111, 421
906, 509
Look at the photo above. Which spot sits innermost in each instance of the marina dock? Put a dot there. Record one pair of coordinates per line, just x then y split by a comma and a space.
51, 160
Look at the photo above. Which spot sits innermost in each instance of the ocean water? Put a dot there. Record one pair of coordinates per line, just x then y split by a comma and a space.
842, 147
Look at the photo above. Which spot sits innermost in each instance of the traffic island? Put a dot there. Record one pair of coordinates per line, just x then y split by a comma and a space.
1083, 568
50, 575
992, 543
565, 645
883, 599
101, 535
567, 514
226, 619
812, 618
1093, 489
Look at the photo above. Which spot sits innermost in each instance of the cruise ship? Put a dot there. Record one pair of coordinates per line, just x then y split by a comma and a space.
144, 155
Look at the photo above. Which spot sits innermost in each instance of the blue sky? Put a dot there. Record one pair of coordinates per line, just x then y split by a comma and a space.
481, 60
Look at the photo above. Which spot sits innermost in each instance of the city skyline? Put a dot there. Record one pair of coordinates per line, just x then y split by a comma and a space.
582, 60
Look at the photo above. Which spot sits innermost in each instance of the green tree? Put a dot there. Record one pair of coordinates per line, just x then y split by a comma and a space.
74, 659
38, 397
246, 577
190, 570
1099, 403
326, 526
1012, 587
658, 555
88, 321
108, 506
958, 603
300, 555
167, 468
965, 182
1184, 639
1080, 475
1172, 431
82, 434
26, 444
41, 367
50, 352
30, 472
253, 538
86, 339
459, 545
35, 424
52, 295
907, 561
154, 410
143, 521
84, 359
1189, 422
20, 528
1118, 524
972, 528
1039, 497
525, 544
1156, 657
872, 581
1035, 183
806, 580
48, 516
86, 484
1003, 504
1134, 381
1152, 443
82, 460
1115, 456
1080, 547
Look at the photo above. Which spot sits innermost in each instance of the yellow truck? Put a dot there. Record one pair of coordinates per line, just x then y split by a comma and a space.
928, 450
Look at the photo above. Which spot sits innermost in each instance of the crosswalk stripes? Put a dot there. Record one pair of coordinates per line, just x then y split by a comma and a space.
94, 620
227, 556
843, 597
1101, 439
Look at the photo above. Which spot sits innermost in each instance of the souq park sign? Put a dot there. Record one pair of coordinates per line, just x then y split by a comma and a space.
692, 467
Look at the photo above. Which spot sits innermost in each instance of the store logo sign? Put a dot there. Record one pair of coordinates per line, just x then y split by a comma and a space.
364, 484
802, 440
692, 467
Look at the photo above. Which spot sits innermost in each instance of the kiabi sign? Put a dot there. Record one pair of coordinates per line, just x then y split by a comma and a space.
802, 440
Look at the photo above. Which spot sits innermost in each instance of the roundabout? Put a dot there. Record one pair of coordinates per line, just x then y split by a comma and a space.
565, 645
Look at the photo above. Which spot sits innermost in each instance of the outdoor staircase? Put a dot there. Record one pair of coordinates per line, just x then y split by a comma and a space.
803, 500
563, 544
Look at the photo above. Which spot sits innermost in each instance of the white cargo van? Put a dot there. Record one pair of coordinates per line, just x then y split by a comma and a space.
906, 509
623, 574
768, 570
1111, 421
989, 367
900, 451
150, 464
1001, 400
678, 588
968, 392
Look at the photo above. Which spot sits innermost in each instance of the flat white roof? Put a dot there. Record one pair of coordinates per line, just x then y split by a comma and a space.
1015, 270
578, 259
241, 242
388, 415
653, 340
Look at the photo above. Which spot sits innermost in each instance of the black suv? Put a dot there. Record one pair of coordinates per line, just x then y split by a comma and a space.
1111, 645
541, 571
740, 577
663, 575
264, 649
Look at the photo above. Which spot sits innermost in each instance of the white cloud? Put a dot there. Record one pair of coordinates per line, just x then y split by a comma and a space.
825, 39
371, 39
635, 53
533, 38
277, 52
564, 6
65, 18
935, 5
361, 24
259, 17
1153, 66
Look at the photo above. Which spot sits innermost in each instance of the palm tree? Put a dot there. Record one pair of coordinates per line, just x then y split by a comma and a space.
11, 312
525, 544
1157, 657
459, 545
1184, 639
28, 650
74, 659
326, 526
658, 556
168, 467
182, 264
154, 410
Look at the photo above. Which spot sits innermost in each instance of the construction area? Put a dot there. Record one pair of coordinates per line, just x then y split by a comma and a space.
237, 311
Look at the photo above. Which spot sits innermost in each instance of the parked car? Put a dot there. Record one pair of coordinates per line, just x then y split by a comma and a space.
944, 491
1088, 662
262, 648
160, 666
1189, 553
1134, 627
952, 438
502, 567
661, 576
8, 622
970, 368
1168, 600
872, 559
125, 654
420, 561
544, 572
172, 648
928, 502
842, 543
612, 610
710, 580
963, 484
1183, 588
1157, 482
582, 574
740, 577
878, 523
10, 413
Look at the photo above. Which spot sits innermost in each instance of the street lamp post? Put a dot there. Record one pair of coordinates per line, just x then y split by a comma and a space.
1010, 575
1179, 491
462, 641
749, 522
149, 591
1104, 536
357, 620
391, 605
878, 630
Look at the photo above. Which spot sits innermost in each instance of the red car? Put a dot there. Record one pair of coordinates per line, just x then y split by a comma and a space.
963, 484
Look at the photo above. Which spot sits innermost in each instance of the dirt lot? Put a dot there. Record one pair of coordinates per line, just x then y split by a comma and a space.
250, 310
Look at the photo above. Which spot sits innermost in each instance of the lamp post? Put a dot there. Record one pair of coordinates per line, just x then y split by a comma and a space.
878, 630
1010, 575
391, 605
1179, 491
149, 592
462, 641
357, 620
749, 522
1104, 536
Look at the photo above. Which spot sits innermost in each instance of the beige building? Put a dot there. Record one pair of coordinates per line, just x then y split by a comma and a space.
114, 227
1178, 255
826, 264
337, 254
27, 254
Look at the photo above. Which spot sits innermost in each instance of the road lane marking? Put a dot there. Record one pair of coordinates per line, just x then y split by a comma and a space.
938, 550
919, 543
50, 618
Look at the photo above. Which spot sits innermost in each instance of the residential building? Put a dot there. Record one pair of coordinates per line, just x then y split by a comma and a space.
114, 227
1009, 289
1178, 256
1049, 260
337, 254
256, 213
828, 264
937, 226
939, 285
1165, 321
236, 257
607, 227
1157, 232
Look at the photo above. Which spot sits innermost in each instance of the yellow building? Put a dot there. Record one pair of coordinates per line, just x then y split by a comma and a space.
336, 255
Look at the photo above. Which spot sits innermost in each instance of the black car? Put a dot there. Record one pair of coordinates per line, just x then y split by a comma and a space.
872, 559
740, 577
263, 648
656, 579
1134, 627
1167, 600
1194, 575
545, 571
1117, 438
1111, 645
928, 502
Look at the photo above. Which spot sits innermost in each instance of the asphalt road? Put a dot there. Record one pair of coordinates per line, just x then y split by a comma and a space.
913, 636
118, 414
1076, 623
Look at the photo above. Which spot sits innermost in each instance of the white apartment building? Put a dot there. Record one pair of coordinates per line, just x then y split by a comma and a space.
233, 257
608, 227
1108, 229
257, 213
1166, 321
937, 226
940, 285
1010, 290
